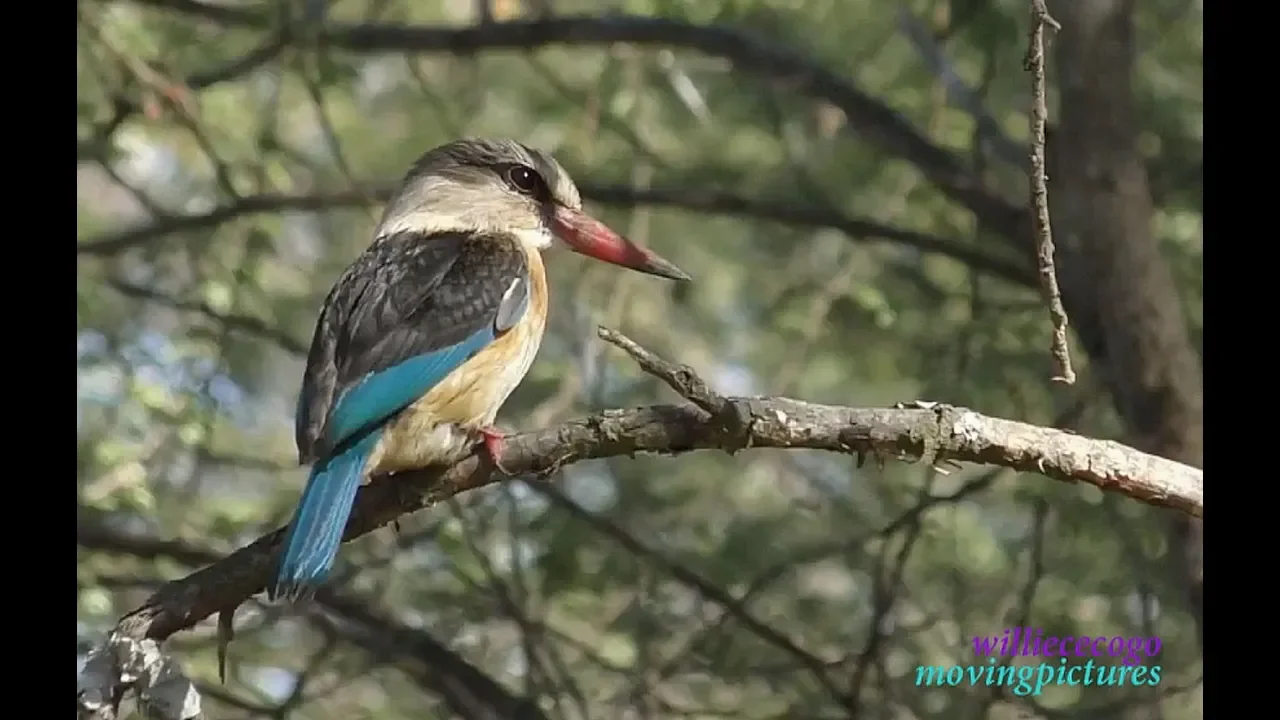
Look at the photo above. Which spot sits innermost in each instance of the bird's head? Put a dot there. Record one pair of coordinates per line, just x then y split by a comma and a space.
502, 186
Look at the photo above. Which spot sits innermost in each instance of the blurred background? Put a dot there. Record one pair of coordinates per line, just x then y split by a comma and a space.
846, 181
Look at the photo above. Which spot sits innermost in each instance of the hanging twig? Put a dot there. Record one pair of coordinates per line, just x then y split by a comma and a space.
1040, 192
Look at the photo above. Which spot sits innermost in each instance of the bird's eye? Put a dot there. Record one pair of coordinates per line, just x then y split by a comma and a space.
523, 179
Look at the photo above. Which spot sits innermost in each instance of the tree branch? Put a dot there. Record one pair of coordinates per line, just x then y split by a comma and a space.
928, 430
952, 433
1034, 64
123, 107
242, 323
220, 14
690, 199
958, 93
870, 118
464, 688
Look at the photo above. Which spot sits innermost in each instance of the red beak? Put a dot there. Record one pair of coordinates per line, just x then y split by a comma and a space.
588, 236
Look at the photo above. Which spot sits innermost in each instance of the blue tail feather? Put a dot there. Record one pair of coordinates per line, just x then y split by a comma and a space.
316, 530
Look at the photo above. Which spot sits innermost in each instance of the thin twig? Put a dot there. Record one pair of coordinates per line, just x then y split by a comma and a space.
680, 378
1040, 192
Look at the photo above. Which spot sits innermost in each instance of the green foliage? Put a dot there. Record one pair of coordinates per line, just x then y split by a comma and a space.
186, 392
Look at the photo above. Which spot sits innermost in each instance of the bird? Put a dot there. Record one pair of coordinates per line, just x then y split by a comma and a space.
430, 329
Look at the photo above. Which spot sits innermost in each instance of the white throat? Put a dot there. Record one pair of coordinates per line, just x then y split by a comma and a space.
537, 239
422, 221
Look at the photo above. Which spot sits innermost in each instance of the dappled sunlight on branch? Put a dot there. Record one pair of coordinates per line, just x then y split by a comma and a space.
890, 211
927, 431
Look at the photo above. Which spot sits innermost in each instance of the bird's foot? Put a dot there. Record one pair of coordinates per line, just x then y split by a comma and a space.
494, 440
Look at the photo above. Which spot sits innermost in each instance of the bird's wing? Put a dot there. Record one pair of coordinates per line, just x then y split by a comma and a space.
409, 311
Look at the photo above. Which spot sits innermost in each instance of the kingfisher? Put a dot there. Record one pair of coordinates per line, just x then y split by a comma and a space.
427, 333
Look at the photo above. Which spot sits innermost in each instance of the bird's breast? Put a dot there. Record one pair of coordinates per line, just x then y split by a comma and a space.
439, 428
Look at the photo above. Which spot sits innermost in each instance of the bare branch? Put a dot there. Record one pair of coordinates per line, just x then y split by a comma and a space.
680, 378
243, 323
959, 434
691, 199
959, 94
795, 214
137, 665
223, 14
123, 107
713, 422
869, 117
1040, 193
466, 689
734, 607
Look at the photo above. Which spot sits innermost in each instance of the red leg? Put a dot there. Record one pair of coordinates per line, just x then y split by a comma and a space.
493, 439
